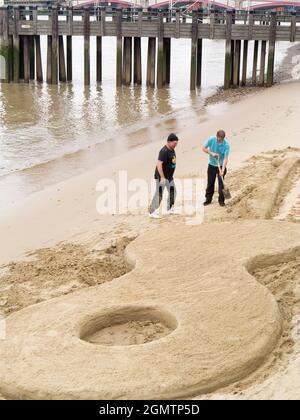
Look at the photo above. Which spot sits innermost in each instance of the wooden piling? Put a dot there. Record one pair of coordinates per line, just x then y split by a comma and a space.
33, 19
2, 52
148, 63
26, 59
271, 55
251, 25
11, 57
86, 30
137, 78
62, 62
177, 27
232, 61
263, 63
293, 27
127, 61
169, 54
6, 48
32, 57
160, 52
151, 62
194, 45
137, 51
245, 62
69, 59
21, 77
199, 63
167, 61
228, 52
103, 22
164, 62
255, 61
237, 61
119, 47
49, 59
38, 55
69, 45
16, 42
124, 60
54, 52
99, 59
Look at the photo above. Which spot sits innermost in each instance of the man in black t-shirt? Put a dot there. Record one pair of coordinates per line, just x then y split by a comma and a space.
164, 176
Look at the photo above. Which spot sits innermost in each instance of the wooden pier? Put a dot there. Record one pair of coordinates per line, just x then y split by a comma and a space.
21, 29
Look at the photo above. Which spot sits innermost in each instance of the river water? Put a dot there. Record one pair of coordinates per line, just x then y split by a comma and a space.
50, 133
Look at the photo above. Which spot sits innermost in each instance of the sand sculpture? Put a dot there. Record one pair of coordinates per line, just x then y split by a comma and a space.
208, 322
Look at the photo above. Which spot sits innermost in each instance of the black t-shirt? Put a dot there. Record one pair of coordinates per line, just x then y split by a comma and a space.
168, 157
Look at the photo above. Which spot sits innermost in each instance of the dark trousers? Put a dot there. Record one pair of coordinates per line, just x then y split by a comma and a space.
159, 192
212, 173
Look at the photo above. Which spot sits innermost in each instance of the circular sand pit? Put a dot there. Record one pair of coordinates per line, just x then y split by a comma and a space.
128, 326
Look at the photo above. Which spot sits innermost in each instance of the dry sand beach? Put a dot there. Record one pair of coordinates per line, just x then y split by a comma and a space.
78, 287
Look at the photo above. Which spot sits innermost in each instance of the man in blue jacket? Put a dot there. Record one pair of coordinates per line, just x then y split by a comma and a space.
217, 147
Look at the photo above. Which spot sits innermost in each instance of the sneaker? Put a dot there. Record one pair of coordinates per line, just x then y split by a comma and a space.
177, 211
206, 203
154, 215
222, 204
170, 212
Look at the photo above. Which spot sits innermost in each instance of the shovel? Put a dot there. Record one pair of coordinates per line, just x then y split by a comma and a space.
225, 190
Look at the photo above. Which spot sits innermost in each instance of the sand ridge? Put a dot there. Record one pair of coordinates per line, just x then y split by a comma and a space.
209, 333
52, 272
278, 377
260, 186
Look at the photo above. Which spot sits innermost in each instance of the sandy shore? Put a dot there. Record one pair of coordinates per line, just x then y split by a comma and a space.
60, 244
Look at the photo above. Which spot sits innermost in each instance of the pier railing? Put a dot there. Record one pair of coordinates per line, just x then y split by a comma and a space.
21, 28
176, 23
